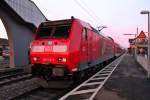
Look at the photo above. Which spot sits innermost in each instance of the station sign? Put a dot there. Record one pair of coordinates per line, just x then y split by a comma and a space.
141, 35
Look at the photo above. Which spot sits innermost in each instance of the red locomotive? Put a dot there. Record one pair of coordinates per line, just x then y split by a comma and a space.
68, 47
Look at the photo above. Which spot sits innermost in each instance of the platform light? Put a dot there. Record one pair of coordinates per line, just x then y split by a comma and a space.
148, 63
145, 12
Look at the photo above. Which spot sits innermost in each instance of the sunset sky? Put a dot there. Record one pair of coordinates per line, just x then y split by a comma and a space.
120, 16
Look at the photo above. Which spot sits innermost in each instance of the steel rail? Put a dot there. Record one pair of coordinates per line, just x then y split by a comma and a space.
97, 81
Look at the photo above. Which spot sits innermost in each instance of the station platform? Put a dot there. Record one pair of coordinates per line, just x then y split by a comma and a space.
128, 82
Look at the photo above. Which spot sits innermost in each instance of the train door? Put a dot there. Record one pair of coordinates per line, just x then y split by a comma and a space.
84, 46
100, 46
89, 46
103, 48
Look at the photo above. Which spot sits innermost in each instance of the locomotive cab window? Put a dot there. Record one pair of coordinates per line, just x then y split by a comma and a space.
61, 31
44, 33
56, 31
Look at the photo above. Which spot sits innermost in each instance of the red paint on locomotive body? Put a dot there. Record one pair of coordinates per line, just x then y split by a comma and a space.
118, 50
71, 43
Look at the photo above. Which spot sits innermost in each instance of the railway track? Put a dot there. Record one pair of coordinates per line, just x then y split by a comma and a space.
10, 74
10, 71
88, 89
14, 82
54, 92
9, 79
21, 86
43, 94
4, 63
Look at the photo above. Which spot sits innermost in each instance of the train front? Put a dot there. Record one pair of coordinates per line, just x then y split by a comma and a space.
49, 51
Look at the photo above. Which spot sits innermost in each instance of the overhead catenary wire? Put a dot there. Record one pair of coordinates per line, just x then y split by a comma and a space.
92, 12
85, 10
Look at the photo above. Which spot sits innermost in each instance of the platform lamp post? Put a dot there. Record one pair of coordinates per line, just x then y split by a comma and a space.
148, 63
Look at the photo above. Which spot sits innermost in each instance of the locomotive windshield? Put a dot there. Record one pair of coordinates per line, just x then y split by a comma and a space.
44, 33
59, 31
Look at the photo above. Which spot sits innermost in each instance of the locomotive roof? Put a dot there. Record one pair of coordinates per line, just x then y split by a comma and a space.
87, 25
110, 38
69, 21
57, 22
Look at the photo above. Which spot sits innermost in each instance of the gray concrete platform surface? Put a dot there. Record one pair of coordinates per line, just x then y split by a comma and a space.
128, 82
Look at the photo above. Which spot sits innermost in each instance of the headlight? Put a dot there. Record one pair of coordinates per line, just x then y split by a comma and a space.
35, 58
60, 48
62, 59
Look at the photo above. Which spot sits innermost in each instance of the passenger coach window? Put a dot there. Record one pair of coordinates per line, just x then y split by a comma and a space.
84, 33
